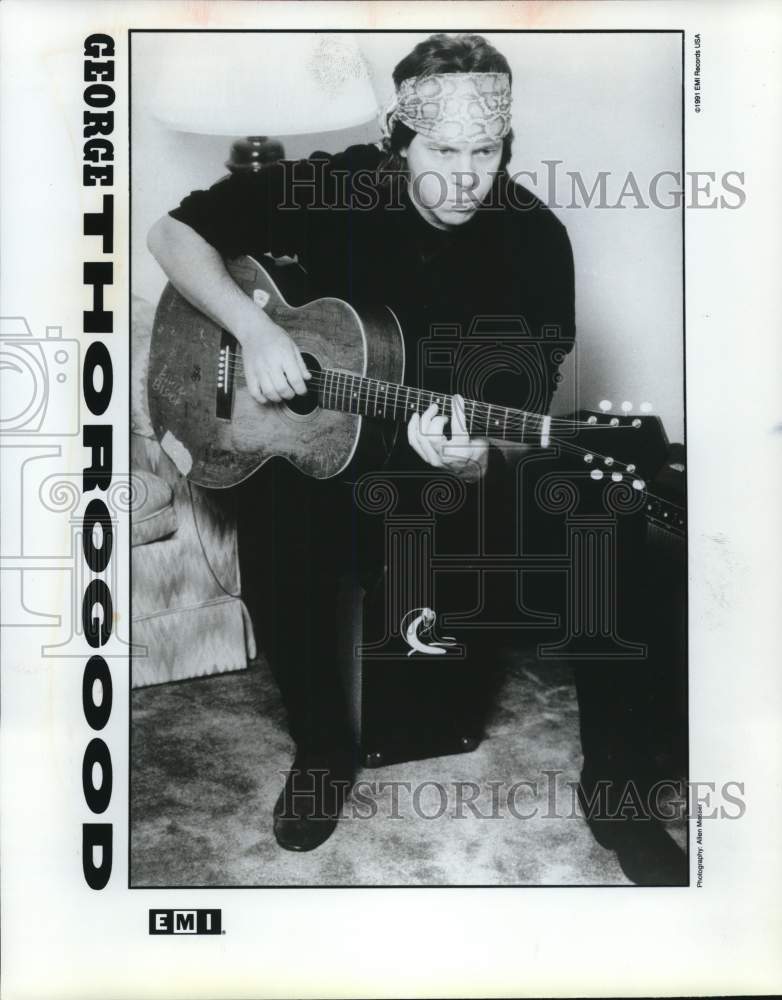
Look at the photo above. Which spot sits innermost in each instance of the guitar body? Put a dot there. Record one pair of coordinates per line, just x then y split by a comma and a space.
217, 435
209, 424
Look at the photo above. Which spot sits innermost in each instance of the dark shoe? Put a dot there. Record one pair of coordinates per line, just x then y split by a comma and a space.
645, 852
649, 856
306, 813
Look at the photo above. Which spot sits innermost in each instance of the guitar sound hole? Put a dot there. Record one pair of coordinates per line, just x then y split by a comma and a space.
306, 404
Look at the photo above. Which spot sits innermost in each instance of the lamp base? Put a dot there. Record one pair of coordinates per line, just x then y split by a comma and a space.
253, 153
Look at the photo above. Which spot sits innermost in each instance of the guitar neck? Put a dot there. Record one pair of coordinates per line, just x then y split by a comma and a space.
339, 390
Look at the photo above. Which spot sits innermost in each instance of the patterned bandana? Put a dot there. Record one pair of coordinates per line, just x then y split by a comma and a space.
453, 107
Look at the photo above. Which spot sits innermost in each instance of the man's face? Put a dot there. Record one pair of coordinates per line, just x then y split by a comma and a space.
449, 180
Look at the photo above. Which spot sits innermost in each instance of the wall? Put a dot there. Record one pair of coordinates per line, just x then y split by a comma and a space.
594, 102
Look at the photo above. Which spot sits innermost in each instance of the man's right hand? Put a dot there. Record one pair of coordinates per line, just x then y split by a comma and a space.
273, 365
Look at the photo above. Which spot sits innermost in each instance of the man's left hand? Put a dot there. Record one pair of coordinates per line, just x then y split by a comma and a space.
460, 454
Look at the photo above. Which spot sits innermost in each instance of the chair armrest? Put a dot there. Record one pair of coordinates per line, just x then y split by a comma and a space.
153, 515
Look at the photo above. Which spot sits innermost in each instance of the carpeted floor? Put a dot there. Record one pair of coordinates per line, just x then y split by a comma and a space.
207, 763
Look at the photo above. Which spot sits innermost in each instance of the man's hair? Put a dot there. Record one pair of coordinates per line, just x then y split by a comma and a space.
441, 53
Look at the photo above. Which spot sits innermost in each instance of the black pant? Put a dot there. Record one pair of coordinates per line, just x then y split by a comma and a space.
299, 538
632, 710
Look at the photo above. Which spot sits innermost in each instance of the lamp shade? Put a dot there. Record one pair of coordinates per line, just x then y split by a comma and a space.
253, 83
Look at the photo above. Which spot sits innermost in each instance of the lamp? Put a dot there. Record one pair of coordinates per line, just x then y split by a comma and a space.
237, 84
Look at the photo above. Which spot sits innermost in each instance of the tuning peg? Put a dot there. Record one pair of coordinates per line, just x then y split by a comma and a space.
589, 458
627, 406
605, 405
596, 473
646, 407
638, 484
608, 460
631, 469
617, 477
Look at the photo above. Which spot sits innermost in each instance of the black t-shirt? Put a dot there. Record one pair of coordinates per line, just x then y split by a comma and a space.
487, 309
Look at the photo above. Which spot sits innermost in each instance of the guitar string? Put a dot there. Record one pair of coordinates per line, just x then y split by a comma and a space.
613, 465
517, 420
514, 424
370, 393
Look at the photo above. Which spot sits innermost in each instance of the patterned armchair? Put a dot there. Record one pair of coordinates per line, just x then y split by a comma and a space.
188, 618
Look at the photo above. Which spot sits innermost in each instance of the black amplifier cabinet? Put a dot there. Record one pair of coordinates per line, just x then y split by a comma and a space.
407, 703
666, 509
666, 562
420, 663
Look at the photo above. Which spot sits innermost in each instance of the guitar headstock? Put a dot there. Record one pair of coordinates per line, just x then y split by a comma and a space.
619, 444
623, 416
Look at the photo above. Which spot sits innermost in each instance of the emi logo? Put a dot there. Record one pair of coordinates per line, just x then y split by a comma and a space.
185, 921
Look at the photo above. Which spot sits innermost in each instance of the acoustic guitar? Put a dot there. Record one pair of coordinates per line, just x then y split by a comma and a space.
217, 435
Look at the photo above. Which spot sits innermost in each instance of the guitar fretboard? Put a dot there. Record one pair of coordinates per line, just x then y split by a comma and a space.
338, 390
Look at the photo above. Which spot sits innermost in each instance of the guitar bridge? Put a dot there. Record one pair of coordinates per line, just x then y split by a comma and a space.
226, 374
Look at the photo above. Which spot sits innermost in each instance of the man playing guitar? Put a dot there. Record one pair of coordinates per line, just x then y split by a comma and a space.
430, 223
